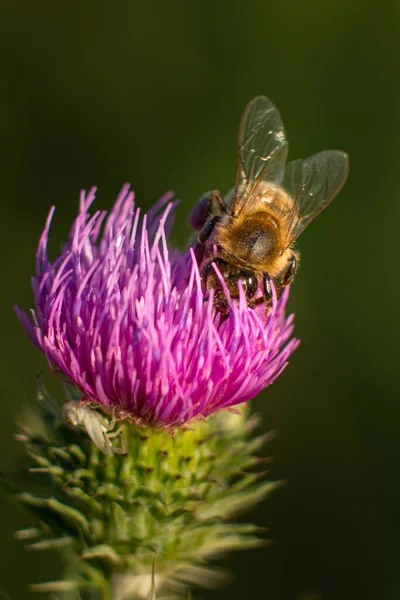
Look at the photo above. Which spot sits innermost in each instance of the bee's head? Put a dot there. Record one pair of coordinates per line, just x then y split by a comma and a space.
231, 275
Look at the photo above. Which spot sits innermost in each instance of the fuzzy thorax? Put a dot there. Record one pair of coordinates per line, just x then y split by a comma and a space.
256, 237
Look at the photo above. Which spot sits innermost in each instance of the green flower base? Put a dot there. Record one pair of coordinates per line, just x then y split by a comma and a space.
167, 504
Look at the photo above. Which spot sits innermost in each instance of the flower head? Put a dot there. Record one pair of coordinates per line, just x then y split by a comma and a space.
123, 318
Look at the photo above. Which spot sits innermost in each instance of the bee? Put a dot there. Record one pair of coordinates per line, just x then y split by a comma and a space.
249, 235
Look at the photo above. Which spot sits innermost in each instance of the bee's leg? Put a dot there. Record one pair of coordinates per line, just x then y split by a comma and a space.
207, 230
202, 210
267, 289
199, 252
217, 200
267, 292
206, 271
290, 271
289, 274
204, 234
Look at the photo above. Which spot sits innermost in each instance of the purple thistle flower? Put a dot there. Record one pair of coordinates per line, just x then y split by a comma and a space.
123, 318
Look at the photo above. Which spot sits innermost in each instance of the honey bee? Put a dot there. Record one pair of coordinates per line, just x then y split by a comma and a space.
249, 235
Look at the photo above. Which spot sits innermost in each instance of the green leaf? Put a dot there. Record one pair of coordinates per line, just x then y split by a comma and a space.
67, 513
54, 586
52, 543
103, 552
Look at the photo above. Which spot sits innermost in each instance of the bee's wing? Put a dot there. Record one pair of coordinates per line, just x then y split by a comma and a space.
313, 183
262, 150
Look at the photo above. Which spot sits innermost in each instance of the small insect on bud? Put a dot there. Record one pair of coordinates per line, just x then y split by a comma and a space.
99, 429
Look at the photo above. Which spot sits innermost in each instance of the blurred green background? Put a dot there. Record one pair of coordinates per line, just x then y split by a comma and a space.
151, 93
